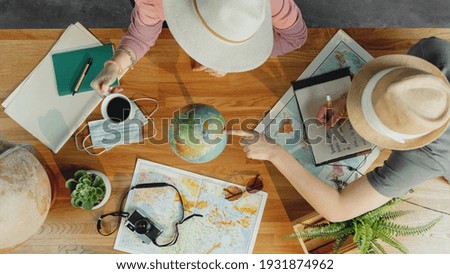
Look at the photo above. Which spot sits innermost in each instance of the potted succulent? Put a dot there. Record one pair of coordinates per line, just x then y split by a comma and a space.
366, 231
90, 189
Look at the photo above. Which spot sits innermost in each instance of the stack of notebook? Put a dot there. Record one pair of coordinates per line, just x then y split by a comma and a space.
36, 103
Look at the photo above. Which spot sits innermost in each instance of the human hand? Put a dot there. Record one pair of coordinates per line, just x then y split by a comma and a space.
200, 67
256, 145
339, 111
105, 78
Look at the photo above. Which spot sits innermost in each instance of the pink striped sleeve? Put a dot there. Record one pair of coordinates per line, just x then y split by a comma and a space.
146, 25
289, 29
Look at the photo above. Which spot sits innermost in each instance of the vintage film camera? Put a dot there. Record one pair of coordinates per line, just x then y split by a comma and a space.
144, 227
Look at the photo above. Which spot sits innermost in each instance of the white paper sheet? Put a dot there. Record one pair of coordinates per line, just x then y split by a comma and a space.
325, 149
36, 105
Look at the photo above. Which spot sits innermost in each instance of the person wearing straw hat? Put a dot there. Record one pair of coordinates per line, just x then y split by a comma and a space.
220, 35
399, 102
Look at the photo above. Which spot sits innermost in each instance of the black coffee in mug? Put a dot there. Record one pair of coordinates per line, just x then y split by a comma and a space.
118, 109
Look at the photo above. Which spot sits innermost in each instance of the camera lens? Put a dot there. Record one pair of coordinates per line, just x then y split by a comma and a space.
142, 226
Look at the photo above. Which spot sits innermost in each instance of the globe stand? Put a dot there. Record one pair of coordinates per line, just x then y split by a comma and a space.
53, 184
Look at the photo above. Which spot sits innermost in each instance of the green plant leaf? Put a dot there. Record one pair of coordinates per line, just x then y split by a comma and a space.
75, 193
315, 225
330, 231
98, 181
94, 199
349, 230
391, 215
86, 181
73, 202
95, 183
340, 241
390, 240
80, 173
357, 233
379, 247
79, 186
365, 238
78, 202
80, 181
371, 249
85, 193
375, 214
88, 205
404, 230
99, 191
71, 183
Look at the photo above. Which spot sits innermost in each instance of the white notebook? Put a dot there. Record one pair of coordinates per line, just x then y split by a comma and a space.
36, 105
328, 145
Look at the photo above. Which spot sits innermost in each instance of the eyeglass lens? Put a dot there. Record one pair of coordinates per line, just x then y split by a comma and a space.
232, 193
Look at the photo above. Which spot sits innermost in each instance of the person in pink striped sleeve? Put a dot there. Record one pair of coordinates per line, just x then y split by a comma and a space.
220, 35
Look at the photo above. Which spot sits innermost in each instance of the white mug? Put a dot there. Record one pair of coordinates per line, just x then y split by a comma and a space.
117, 108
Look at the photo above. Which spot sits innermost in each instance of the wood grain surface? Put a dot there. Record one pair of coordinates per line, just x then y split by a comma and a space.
165, 74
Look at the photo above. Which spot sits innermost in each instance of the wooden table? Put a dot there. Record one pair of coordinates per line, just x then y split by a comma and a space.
165, 73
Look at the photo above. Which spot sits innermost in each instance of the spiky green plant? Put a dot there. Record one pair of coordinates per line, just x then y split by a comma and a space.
368, 229
87, 190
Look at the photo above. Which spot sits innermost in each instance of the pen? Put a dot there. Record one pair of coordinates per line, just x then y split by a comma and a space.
328, 115
329, 111
82, 75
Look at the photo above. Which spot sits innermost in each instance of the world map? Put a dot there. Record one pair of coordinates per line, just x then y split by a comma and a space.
341, 57
226, 226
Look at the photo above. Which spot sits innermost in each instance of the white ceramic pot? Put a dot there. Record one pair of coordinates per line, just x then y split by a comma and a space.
107, 187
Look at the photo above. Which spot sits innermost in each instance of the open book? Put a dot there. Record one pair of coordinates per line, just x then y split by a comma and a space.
332, 144
284, 123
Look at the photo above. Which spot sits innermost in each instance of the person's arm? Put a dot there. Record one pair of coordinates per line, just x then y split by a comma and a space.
146, 25
289, 29
357, 198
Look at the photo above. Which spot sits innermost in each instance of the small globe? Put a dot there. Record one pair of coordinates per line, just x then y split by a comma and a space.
196, 133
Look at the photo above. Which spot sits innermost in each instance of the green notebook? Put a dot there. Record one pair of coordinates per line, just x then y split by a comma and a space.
69, 65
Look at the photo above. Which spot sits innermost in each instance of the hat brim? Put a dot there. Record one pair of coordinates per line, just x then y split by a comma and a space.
354, 98
209, 50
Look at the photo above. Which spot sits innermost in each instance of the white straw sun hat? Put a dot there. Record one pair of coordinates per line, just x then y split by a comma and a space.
399, 102
225, 35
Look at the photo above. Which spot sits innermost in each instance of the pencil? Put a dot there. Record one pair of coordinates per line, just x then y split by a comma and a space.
329, 111
82, 75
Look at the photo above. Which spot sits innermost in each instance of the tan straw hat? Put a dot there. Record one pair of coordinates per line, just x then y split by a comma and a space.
399, 102
225, 35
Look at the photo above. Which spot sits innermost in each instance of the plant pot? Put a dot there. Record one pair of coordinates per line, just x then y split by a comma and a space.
107, 187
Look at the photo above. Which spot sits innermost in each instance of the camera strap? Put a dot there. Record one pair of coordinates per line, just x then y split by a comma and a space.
122, 214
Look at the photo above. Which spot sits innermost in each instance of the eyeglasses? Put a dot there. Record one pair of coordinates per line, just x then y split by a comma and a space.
232, 193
